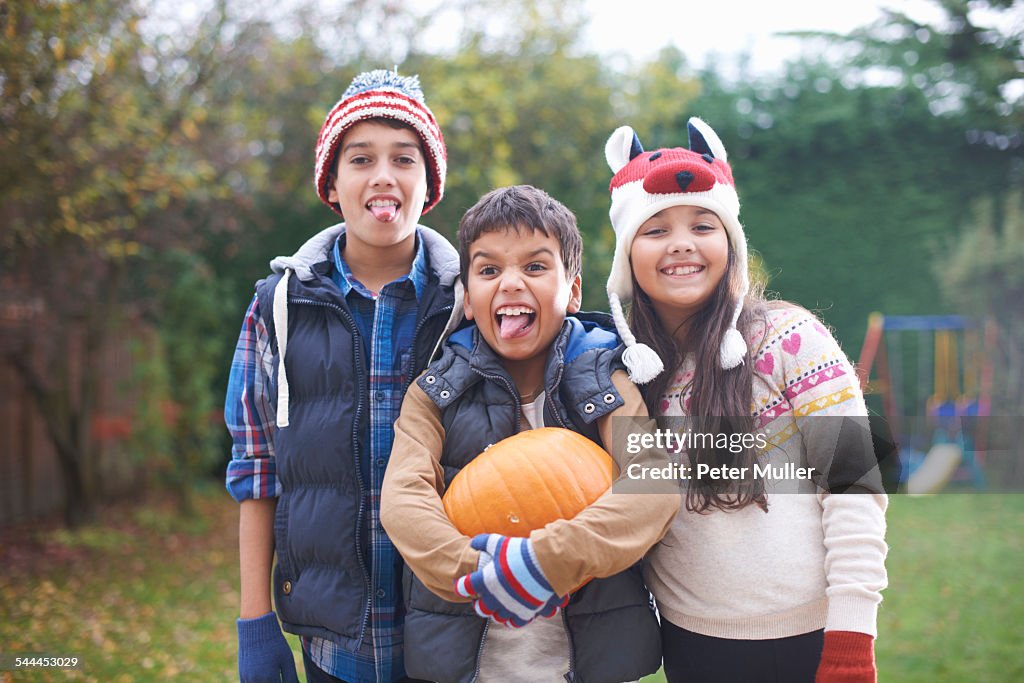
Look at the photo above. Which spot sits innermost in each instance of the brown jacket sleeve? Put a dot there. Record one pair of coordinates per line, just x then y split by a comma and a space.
617, 529
410, 502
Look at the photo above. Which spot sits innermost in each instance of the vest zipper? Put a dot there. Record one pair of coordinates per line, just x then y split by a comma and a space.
480, 650
511, 390
361, 378
549, 399
570, 675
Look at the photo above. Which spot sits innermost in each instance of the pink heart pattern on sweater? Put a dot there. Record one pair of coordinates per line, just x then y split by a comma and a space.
766, 365
791, 344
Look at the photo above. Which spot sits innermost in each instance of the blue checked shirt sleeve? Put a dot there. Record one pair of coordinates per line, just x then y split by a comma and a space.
249, 415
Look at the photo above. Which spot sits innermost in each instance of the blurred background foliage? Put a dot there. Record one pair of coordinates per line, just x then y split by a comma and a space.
152, 160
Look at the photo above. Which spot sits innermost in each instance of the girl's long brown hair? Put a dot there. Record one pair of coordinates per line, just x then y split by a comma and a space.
721, 400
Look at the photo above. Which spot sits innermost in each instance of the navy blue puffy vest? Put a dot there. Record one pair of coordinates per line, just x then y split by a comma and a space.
612, 628
322, 580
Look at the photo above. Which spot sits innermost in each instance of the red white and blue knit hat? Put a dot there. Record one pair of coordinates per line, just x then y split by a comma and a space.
648, 182
382, 94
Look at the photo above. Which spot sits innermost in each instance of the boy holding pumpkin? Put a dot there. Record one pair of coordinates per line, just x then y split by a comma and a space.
528, 360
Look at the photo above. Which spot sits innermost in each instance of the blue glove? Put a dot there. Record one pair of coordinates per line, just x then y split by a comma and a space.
508, 585
263, 653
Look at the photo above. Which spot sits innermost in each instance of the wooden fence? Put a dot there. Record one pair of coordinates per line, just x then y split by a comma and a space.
31, 480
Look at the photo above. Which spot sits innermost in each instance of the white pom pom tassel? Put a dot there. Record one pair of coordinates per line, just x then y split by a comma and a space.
643, 363
733, 349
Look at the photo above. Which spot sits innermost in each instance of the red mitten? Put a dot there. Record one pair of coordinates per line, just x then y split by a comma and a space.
847, 657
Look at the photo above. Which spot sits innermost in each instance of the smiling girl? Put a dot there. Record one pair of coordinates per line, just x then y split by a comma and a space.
752, 584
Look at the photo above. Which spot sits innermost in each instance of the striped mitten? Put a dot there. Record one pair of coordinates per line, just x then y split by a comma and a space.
508, 585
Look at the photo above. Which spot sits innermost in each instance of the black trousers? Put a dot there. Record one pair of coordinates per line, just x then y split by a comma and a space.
315, 674
693, 658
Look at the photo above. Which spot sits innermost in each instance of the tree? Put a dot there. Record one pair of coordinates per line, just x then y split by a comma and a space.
108, 149
851, 177
69, 181
967, 67
983, 274
966, 64
521, 102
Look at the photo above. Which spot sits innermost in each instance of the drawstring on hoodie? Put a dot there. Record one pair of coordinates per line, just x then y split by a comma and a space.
281, 332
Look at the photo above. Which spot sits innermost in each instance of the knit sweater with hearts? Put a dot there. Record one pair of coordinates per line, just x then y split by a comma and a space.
815, 559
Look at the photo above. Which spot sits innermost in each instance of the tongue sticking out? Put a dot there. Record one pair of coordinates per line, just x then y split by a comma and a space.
385, 214
514, 325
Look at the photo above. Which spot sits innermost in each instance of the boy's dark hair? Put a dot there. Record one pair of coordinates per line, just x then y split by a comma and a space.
522, 207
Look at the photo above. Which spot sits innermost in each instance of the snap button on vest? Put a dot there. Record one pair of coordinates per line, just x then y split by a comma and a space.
589, 408
287, 588
609, 398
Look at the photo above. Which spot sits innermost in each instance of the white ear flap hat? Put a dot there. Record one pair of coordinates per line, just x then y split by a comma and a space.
648, 182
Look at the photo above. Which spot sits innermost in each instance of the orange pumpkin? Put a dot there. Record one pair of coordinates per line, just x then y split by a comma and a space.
527, 481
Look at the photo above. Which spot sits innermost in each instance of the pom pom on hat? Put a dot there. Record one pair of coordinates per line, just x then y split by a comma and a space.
382, 94
642, 362
648, 182
733, 349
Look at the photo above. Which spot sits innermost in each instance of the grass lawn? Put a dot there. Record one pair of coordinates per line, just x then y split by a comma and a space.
147, 596
954, 609
142, 596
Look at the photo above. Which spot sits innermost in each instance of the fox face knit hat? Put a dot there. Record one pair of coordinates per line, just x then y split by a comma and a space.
647, 182
382, 94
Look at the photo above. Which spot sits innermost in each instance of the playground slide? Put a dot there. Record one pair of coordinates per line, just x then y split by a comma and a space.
936, 470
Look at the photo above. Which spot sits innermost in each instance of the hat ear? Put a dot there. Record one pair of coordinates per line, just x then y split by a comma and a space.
704, 140
622, 146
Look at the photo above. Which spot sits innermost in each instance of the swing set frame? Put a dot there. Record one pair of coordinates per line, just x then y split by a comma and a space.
956, 353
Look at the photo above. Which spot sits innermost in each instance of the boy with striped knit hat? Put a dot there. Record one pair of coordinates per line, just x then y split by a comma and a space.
327, 347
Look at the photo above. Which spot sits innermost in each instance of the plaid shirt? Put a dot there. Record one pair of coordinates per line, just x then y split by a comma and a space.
388, 320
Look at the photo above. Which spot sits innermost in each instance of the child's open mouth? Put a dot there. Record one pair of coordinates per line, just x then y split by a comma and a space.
514, 321
682, 270
383, 210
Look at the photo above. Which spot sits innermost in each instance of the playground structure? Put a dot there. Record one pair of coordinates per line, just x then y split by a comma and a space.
952, 380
